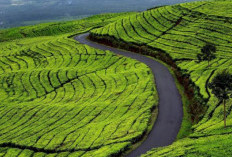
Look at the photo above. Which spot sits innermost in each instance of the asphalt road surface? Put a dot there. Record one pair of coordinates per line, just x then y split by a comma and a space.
170, 108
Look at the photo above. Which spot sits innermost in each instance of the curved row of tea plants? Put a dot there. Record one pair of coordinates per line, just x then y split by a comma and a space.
63, 98
58, 28
181, 31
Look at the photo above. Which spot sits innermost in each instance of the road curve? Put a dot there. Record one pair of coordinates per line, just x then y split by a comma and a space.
170, 108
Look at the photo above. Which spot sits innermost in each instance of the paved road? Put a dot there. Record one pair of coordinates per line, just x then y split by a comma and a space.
170, 115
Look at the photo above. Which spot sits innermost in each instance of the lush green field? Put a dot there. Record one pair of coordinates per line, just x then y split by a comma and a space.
181, 31
63, 98
58, 28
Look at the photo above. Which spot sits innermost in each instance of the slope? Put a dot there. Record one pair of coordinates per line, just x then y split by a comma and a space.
178, 33
63, 98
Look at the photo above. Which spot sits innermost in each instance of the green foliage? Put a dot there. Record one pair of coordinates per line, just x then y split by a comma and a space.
67, 99
215, 146
181, 31
58, 28
221, 85
207, 53
62, 98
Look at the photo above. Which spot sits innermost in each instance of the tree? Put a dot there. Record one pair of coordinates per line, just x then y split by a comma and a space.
207, 53
221, 87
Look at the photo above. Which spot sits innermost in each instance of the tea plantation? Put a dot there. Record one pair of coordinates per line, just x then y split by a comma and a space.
179, 32
63, 98
60, 98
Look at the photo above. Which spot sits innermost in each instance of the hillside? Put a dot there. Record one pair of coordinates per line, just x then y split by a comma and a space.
178, 33
27, 12
59, 28
63, 98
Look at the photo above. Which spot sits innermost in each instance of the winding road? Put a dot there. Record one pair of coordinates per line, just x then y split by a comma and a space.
170, 114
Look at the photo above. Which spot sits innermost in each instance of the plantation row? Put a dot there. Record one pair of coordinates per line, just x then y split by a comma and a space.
58, 28
181, 31
62, 98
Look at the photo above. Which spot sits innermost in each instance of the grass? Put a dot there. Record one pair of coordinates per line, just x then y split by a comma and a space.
63, 98
179, 32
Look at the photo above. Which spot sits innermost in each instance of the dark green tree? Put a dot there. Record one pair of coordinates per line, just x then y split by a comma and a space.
221, 87
207, 53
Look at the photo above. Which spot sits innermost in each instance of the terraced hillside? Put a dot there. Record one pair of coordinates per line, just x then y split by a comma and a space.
63, 98
180, 31
58, 28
